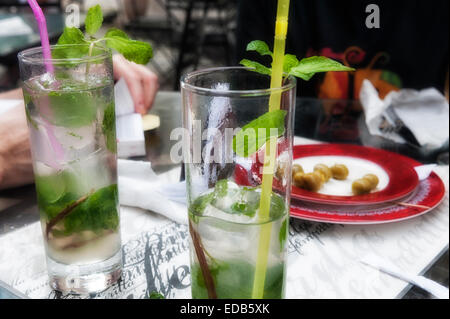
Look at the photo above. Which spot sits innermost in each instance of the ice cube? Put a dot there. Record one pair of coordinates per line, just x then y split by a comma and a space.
42, 169
77, 140
47, 81
92, 171
225, 213
223, 239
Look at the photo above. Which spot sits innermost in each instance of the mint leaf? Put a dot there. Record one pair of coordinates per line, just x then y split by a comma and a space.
156, 295
94, 19
71, 36
199, 205
72, 109
245, 209
258, 67
234, 280
109, 127
248, 140
259, 46
136, 51
114, 32
289, 62
282, 237
307, 67
98, 212
221, 188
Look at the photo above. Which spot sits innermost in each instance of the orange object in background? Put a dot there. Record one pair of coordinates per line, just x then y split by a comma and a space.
335, 86
346, 85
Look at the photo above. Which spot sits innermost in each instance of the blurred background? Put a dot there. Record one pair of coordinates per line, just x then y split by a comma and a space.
401, 46
185, 34
193, 34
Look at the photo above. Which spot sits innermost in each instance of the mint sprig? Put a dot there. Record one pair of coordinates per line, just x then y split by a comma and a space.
133, 50
258, 67
249, 140
304, 69
97, 211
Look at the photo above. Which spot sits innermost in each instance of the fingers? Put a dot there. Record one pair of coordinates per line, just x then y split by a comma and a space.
142, 83
149, 83
124, 69
151, 86
134, 83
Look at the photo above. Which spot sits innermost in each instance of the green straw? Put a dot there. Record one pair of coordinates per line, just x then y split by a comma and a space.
281, 28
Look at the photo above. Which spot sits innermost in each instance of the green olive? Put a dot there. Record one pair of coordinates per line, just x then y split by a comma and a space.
313, 181
298, 180
297, 169
340, 172
280, 172
373, 180
325, 170
361, 186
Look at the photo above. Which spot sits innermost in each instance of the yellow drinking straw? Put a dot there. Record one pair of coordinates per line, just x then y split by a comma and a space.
281, 28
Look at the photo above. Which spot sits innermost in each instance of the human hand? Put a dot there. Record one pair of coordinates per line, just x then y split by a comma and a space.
142, 83
15, 156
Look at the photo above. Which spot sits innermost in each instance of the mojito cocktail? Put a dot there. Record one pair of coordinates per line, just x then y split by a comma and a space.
226, 221
71, 120
236, 250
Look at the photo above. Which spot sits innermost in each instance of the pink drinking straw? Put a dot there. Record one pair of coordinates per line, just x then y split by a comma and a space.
42, 24
46, 52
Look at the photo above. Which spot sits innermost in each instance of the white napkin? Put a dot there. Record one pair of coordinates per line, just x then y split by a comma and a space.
388, 267
130, 133
424, 171
425, 113
140, 187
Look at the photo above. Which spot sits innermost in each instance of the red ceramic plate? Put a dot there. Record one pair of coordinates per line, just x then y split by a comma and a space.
429, 194
401, 178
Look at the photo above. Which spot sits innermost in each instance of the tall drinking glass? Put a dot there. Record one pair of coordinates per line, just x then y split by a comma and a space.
71, 121
236, 252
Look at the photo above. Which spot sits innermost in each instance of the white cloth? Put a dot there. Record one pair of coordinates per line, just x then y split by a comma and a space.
425, 113
140, 187
130, 133
6, 105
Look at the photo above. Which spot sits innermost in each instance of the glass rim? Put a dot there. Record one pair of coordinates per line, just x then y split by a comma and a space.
291, 83
26, 55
